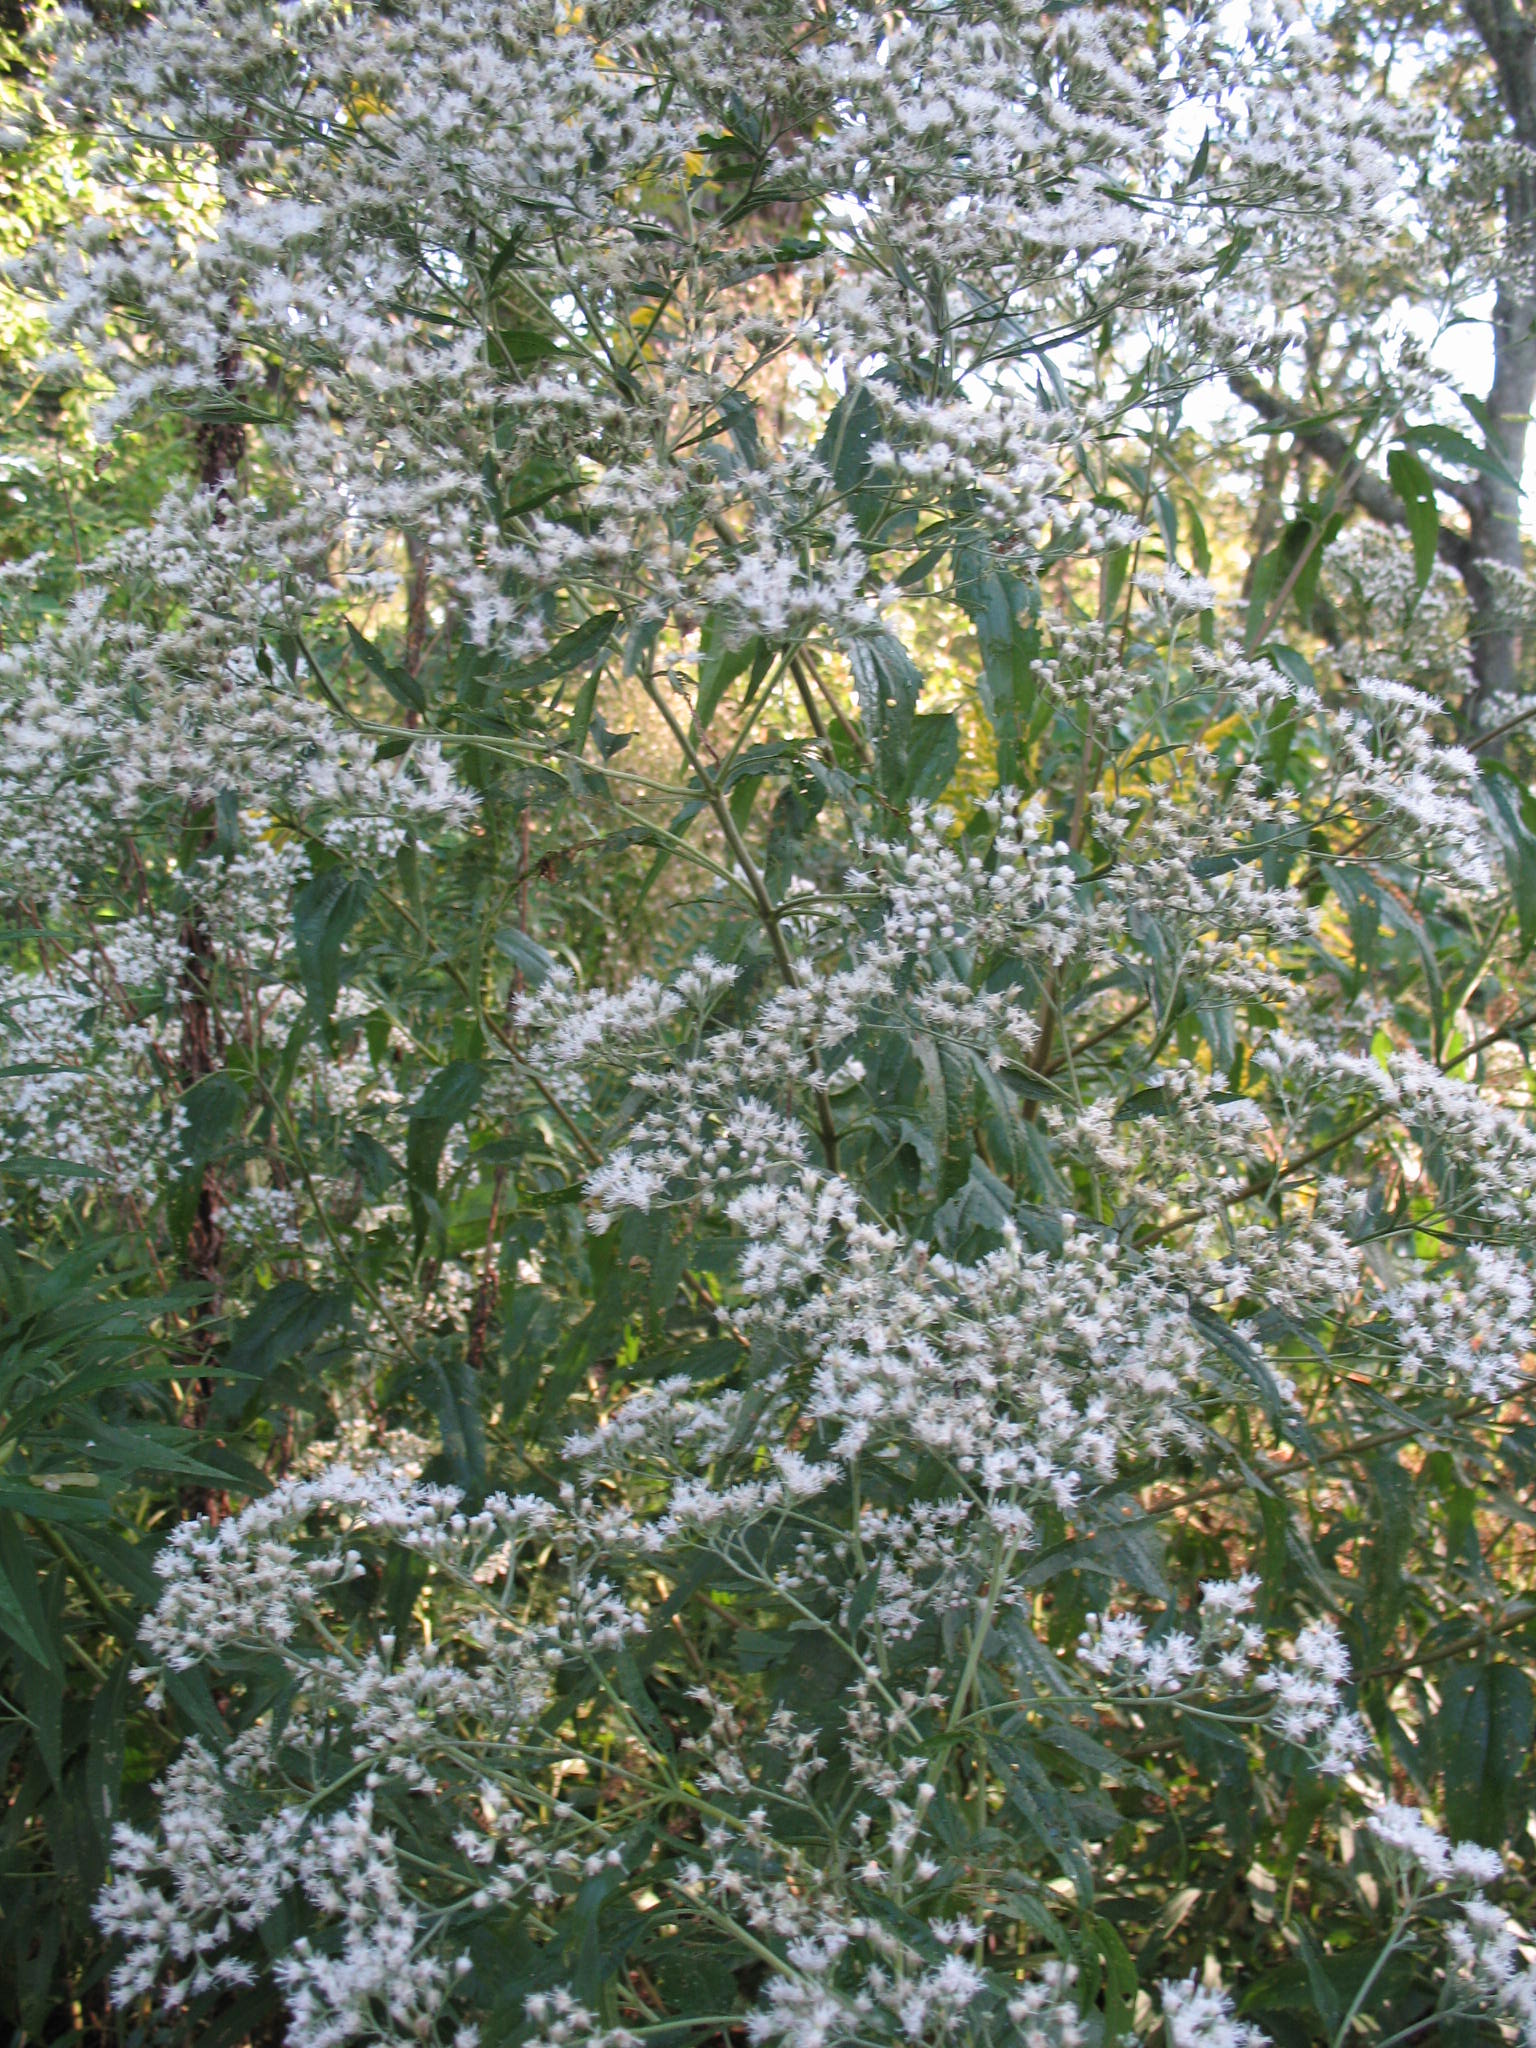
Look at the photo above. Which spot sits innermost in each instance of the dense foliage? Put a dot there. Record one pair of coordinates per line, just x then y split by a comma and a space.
769, 1186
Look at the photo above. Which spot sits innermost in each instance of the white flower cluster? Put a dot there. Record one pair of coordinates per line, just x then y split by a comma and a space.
1492, 1958
1405, 1830
1309, 1700
1200, 2015
464, 285
1492, 1955
1490, 1148
936, 896
257, 1578
1307, 1680
216, 1873
262, 1216
87, 1049
105, 729
242, 1830
1479, 1330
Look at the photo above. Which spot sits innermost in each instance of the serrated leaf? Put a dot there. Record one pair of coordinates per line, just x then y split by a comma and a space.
933, 755
1451, 446
285, 1321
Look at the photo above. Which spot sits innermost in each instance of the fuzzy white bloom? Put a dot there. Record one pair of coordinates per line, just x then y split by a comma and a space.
1494, 1966
1406, 1830
1309, 1705
1200, 2015
993, 1164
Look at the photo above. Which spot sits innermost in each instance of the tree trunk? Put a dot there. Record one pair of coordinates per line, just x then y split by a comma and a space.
1494, 509
1490, 542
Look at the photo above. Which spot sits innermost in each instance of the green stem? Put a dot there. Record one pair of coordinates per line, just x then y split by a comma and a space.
981, 1632
1393, 1941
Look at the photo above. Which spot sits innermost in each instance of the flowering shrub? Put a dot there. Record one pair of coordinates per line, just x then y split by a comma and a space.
836, 1150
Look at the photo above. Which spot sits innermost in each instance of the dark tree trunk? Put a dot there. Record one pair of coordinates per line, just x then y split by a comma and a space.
1493, 510
1490, 540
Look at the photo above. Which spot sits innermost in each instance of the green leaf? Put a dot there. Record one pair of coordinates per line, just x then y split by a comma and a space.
377, 1166
888, 683
324, 911
399, 682
554, 1198
285, 1321
447, 1099
1046, 1813
1199, 545
1395, 912
936, 1096
1413, 484
1487, 1715
1120, 1984
1167, 512
585, 644
1116, 567
719, 666
520, 345
795, 810
505, 257
1292, 665
1453, 447
40, 1166
1143, 1102
526, 955
211, 1107
995, 603
852, 430
1511, 810
226, 816
1326, 1997
1232, 254
582, 711
104, 1755
533, 487
608, 743
932, 756
1481, 413
21, 1611
739, 417
1255, 1369
1296, 554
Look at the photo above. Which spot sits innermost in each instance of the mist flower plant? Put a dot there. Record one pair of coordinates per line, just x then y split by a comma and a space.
819, 1452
